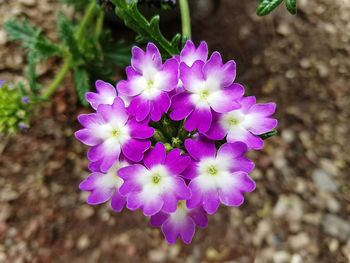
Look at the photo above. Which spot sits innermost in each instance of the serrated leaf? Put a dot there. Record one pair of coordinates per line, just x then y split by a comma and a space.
267, 6
268, 134
23, 31
147, 30
291, 6
66, 34
46, 48
82, 84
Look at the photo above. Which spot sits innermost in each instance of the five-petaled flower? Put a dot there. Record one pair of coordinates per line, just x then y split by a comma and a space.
171, 139
157, 184
218, 176
110, 131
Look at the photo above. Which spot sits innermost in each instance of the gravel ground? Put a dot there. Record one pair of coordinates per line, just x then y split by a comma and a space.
300, 209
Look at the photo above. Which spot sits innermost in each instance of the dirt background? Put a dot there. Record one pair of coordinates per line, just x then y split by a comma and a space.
300, 209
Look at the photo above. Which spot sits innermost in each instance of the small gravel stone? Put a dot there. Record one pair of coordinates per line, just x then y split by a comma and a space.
323, 181
336, 226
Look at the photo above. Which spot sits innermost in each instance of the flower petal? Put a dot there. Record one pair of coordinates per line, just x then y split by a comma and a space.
181, 106
134, 149
155, 156
175, 162
200, 118
199, 149
140, 131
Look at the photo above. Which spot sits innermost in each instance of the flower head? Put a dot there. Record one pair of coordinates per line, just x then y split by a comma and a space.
172, 141
244, 124
105, 186
110, 131
180, 223
157, 184
218, 176
149, 82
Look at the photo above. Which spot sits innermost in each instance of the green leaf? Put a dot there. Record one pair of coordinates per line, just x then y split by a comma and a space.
66, 34
147, 30
82, 84
23, 31
291, 6
267, 6
268, 134
31, 38
176, 40
45, 48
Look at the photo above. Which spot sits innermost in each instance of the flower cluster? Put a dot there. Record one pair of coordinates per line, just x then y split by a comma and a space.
171, 139
15, 108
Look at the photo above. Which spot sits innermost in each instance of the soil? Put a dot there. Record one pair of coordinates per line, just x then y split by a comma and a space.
300, 209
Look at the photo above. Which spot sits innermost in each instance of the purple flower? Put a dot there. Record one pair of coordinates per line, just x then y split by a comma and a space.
2, 82
245, 124
25, 100
218, 177
111, 132
106, 94
149, 82
105, 186
157, 184
209, 87
181, 223
190, 54
22, 126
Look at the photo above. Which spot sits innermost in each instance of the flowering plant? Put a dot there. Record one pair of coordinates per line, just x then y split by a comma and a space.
171, 139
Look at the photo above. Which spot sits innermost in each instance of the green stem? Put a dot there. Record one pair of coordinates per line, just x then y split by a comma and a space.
185, 19
58, 79
90, 11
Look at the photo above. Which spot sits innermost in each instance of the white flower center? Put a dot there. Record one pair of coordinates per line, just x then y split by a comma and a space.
180, 214
214, 173
157, 181
232, 119
111, 178
119, 134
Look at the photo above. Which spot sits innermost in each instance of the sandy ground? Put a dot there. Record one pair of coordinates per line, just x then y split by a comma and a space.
300, 209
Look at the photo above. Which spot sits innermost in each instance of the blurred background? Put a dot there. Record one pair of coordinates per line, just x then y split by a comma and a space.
300, 209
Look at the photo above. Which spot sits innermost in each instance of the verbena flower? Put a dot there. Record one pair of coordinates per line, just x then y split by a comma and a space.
149, 82
157, 184
105, 94
190, 54
244, 124
218, 176
181, 223
209, 87
183, 126
110, 131
105, 186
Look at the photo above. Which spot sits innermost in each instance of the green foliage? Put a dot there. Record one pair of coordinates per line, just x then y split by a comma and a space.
14, 113
147, 30
88, 50
82, 84
291, 6
31, 38
268, 134
66, 34
267, 6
